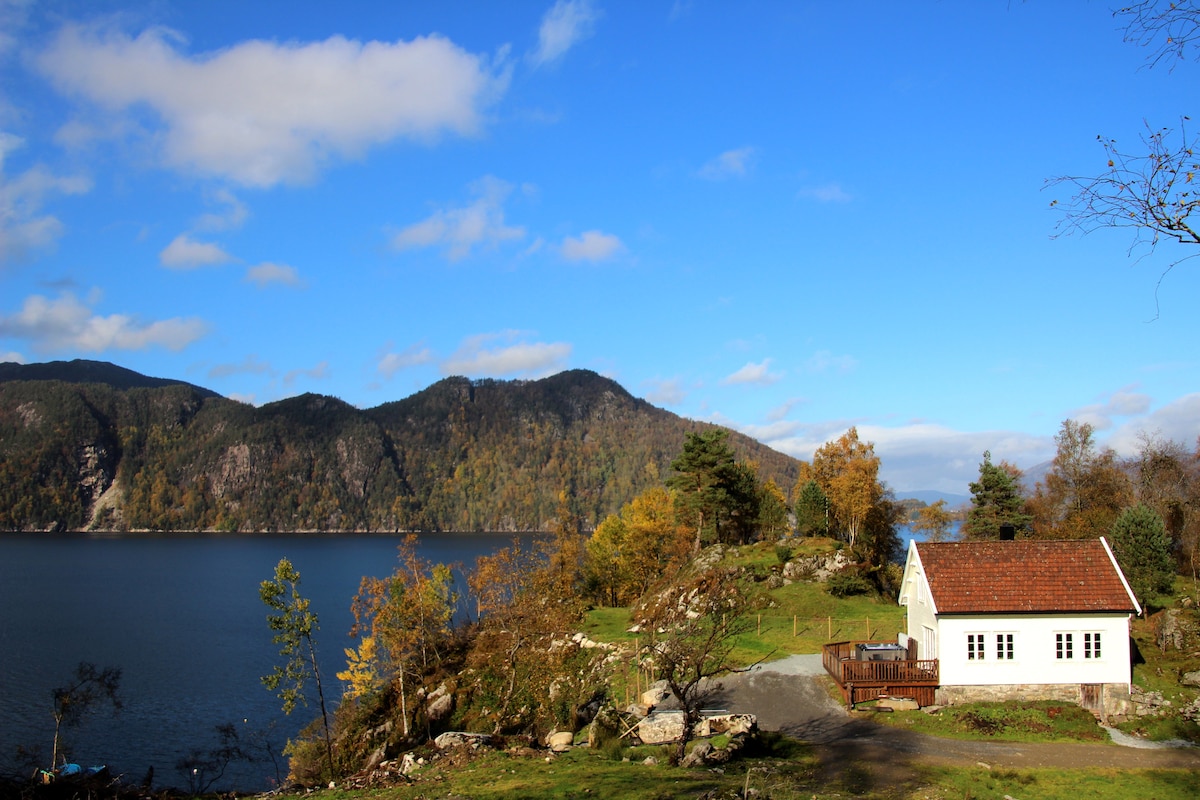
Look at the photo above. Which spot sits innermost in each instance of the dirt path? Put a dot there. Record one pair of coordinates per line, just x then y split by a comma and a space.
792, 696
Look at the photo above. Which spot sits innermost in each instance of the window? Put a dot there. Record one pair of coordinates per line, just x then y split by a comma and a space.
1091, 645
1064, 647
1004, 647
975, 648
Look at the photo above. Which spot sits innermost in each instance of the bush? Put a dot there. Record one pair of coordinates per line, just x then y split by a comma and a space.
783, 552
847, 584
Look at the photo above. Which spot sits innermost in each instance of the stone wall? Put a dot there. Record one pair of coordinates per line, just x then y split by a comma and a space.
1117, 703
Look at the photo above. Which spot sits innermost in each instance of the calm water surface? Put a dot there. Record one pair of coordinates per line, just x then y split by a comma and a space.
181, 616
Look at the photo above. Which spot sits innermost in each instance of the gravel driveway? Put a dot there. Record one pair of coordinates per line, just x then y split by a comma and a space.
796, 697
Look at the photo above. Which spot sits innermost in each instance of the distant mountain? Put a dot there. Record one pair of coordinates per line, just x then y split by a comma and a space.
83, 371
931, 496
93, 445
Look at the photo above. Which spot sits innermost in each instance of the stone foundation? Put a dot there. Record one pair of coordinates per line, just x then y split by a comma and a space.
1116, 703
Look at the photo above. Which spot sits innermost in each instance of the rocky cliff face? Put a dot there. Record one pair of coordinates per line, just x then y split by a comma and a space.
461, 455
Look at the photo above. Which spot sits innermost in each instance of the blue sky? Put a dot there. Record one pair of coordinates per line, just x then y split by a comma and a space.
781, 217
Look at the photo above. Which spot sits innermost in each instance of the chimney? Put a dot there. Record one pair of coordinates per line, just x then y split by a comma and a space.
1007, 533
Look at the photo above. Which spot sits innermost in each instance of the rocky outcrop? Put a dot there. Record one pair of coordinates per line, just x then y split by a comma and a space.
816, 568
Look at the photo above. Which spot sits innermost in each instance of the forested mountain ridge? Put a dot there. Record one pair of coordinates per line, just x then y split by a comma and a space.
78, 452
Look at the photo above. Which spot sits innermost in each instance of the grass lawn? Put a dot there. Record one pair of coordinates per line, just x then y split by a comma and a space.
792, 774
1000, 722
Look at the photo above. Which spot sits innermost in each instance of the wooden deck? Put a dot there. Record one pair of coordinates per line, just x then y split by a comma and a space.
868, 680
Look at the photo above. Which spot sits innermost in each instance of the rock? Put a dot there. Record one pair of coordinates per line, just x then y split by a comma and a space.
697, 756
638, 710
898, 703
1190, 678
657, 692
731, 724
1172, 630
561, 741
661, 727
650, 761
451, 739
605, 727
408, 763
816, 568
440, 704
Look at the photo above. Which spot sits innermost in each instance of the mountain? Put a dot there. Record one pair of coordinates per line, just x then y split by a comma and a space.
931, 496
92, 445
84, 371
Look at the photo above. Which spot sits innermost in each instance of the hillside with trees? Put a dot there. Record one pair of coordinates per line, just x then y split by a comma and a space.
87, 445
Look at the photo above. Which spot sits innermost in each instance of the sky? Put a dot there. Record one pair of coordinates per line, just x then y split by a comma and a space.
783, 217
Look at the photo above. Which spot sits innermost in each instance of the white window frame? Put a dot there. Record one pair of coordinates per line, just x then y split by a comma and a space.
1064, 646
1093, 647
1006, 646
976, 646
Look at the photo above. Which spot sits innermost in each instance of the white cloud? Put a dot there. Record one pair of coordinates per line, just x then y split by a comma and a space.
591, 246
267, 273
825, 361
829, 193
12, 356
779, 412
233, 216
250, 365
1177, 421
667, 392
730, 164
318, 373
753, 373
184, 252
23, 226
69, 324
1122, 403
461, 230
477, 358
391, 363
260, 113
567, 23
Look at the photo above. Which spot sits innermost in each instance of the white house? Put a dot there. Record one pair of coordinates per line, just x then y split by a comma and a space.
1030, 620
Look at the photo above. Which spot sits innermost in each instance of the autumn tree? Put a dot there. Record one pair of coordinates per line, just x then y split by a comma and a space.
294, 625
812, 509
847, 470
631, 551
1167, 479
527, 668
997, 501
88, 689
1085, 489
404, 620
933, 521
772, 511
690, 629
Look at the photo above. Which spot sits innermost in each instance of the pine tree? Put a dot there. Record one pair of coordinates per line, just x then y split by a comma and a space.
996, 501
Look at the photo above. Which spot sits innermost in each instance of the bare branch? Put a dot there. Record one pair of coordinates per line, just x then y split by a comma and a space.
1167, 28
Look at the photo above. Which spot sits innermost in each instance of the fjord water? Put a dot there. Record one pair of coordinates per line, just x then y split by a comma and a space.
181, 616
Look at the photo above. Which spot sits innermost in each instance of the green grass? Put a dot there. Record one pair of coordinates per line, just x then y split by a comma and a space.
1053, 784
1041, 721
793, 773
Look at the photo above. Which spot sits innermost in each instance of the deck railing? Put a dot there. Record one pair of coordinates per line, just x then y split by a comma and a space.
866, 680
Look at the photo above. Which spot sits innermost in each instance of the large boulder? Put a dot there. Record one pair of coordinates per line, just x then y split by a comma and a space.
452, 739
658, 692
661, 727
560, 741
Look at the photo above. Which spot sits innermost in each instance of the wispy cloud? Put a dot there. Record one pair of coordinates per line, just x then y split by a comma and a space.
591, 246
250, 365
754, 374
67, 323
184, 252
261, 112
391, 363
825, 361
24, 227
461, 230
268, 273
730, 164
506, 354
1121, 403
829, 193
665, 391
567, 23
232, 216
318, 373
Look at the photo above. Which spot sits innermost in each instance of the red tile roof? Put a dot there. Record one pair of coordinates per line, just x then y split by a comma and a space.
1023, 577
